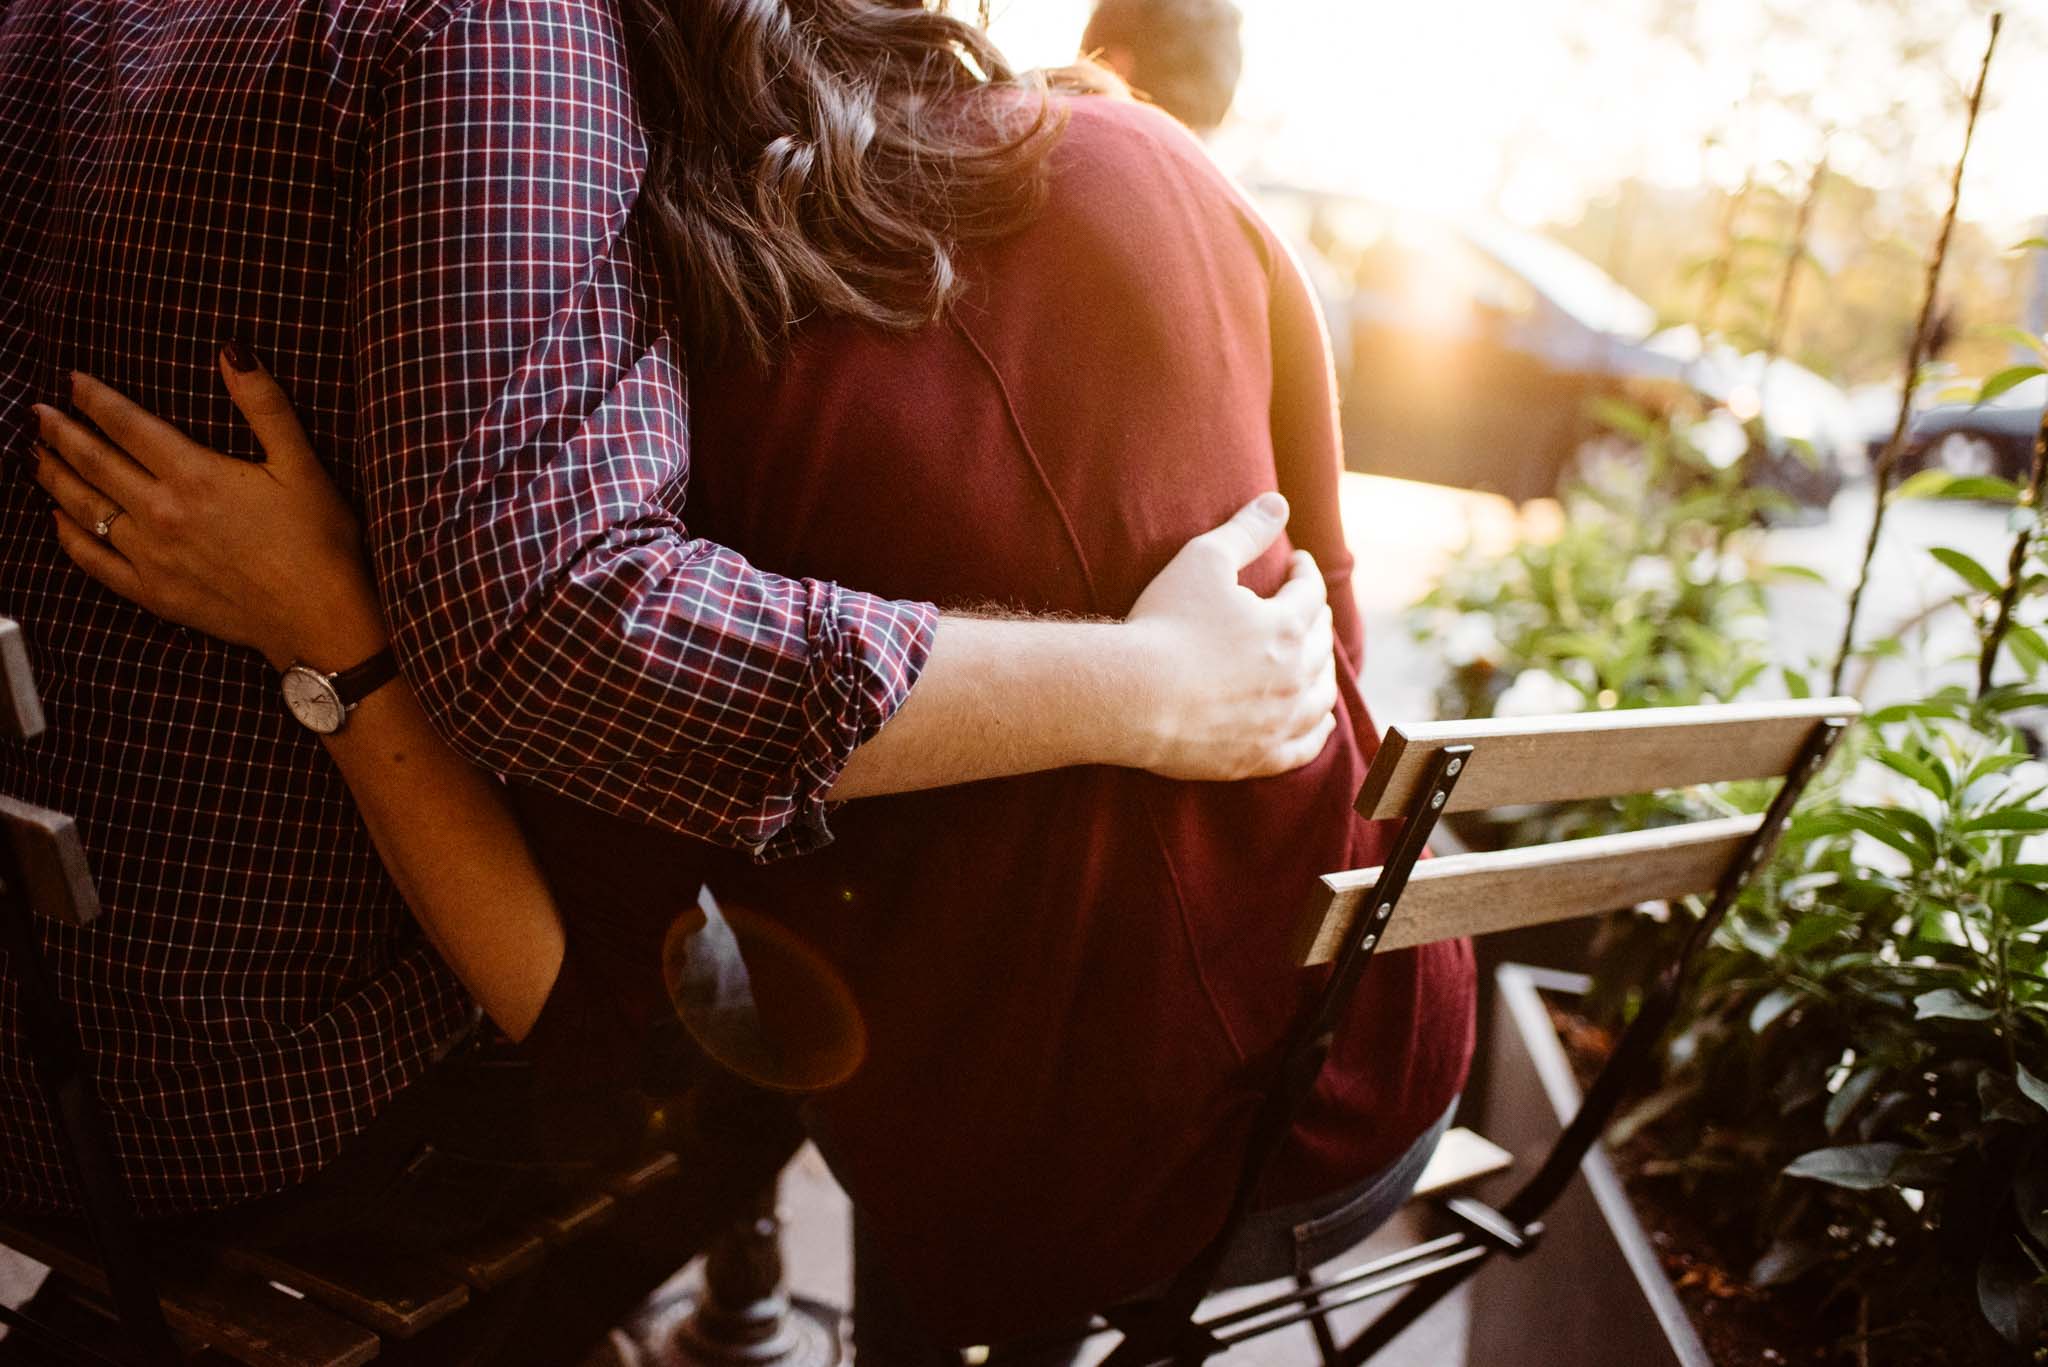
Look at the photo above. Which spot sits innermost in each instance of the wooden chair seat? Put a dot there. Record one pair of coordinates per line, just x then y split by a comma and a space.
209, 1304
336, 1302
1462, 1158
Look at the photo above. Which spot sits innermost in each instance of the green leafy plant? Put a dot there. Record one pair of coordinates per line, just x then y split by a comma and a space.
1650, 592
1868, 1042
1856, 1087
1859, 1079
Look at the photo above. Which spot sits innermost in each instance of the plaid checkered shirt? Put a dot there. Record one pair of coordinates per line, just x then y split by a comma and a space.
420, 214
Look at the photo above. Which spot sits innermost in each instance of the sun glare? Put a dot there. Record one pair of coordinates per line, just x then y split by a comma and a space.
1529, 108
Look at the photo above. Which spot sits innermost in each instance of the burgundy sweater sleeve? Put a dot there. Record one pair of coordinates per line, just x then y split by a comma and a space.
1308, 447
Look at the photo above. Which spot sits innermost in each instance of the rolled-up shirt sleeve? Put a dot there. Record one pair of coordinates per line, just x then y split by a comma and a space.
525, 447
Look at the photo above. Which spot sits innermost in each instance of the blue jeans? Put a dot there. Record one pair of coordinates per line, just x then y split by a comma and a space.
1289, 1241
1284, 1241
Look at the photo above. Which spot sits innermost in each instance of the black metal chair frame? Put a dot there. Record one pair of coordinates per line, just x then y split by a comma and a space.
68, 1091
744, 1312
1166, 1329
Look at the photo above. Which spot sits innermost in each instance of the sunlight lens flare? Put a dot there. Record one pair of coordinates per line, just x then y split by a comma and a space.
760, 1001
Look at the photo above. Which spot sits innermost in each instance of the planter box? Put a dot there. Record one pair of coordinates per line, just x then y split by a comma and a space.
1593, 1293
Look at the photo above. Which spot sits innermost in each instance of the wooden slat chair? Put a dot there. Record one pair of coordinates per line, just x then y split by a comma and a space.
1420, 774
335, 1304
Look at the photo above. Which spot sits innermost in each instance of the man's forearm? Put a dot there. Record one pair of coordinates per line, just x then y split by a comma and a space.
1000, 697
1203, 680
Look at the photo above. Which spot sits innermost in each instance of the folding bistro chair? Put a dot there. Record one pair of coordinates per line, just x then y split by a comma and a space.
42, 868
1420, 774
336, 1303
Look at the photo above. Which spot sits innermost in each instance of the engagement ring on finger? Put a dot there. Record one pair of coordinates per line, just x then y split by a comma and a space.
105, 525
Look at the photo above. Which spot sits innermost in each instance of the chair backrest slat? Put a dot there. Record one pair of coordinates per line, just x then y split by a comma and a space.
21, 711
1473, 894
52, 862
1596, 754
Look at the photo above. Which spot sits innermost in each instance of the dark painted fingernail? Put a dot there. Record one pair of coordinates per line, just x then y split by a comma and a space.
239, 356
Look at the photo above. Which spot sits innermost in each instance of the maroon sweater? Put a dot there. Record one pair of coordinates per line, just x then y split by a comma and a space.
1073, 982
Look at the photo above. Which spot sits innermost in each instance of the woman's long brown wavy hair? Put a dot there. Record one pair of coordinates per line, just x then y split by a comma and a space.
825, 157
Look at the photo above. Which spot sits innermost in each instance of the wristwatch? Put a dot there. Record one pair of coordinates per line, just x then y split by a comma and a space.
322, 702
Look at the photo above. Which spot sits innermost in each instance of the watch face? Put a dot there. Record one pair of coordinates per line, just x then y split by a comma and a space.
312, 699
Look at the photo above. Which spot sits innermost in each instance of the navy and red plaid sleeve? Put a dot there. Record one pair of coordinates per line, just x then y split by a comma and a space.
525, 459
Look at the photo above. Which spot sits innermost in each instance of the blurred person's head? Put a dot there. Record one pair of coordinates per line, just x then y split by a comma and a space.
1182, 55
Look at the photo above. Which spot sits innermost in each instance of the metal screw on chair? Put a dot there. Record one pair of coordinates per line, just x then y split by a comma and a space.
744, 1314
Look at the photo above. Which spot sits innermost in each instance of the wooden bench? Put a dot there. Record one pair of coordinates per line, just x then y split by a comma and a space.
332, 1304
336, 1303
1420, 774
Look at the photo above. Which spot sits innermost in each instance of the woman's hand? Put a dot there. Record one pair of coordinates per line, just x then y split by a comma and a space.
264, 555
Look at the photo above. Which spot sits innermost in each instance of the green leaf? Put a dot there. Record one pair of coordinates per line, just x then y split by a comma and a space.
2009, 378
1772, 1005
1786, 1260
1945, 1003
2025, 905
1815, 929
1906, 711
1994, 763
1983, 489
2018, 873
1973, 574
1917, 769
2032, 1087
2012, 1299
2009, 819
2014, 702
2027, 644
1859, 1167
2030, 1196
1624, 418
1850, 1095
2020, 337
1908, 832
1999, 1099
1924, 484
1797, 685
1812, 825
2030, 244
1931, 483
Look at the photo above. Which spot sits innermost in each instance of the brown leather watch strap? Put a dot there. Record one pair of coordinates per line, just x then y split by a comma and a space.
366, 678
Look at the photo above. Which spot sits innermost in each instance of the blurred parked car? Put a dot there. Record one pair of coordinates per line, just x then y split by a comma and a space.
1467, 354
1995, 438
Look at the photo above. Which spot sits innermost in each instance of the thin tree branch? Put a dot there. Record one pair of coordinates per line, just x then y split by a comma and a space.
1724, 263
1888, 460
1795, 253
2016, 567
